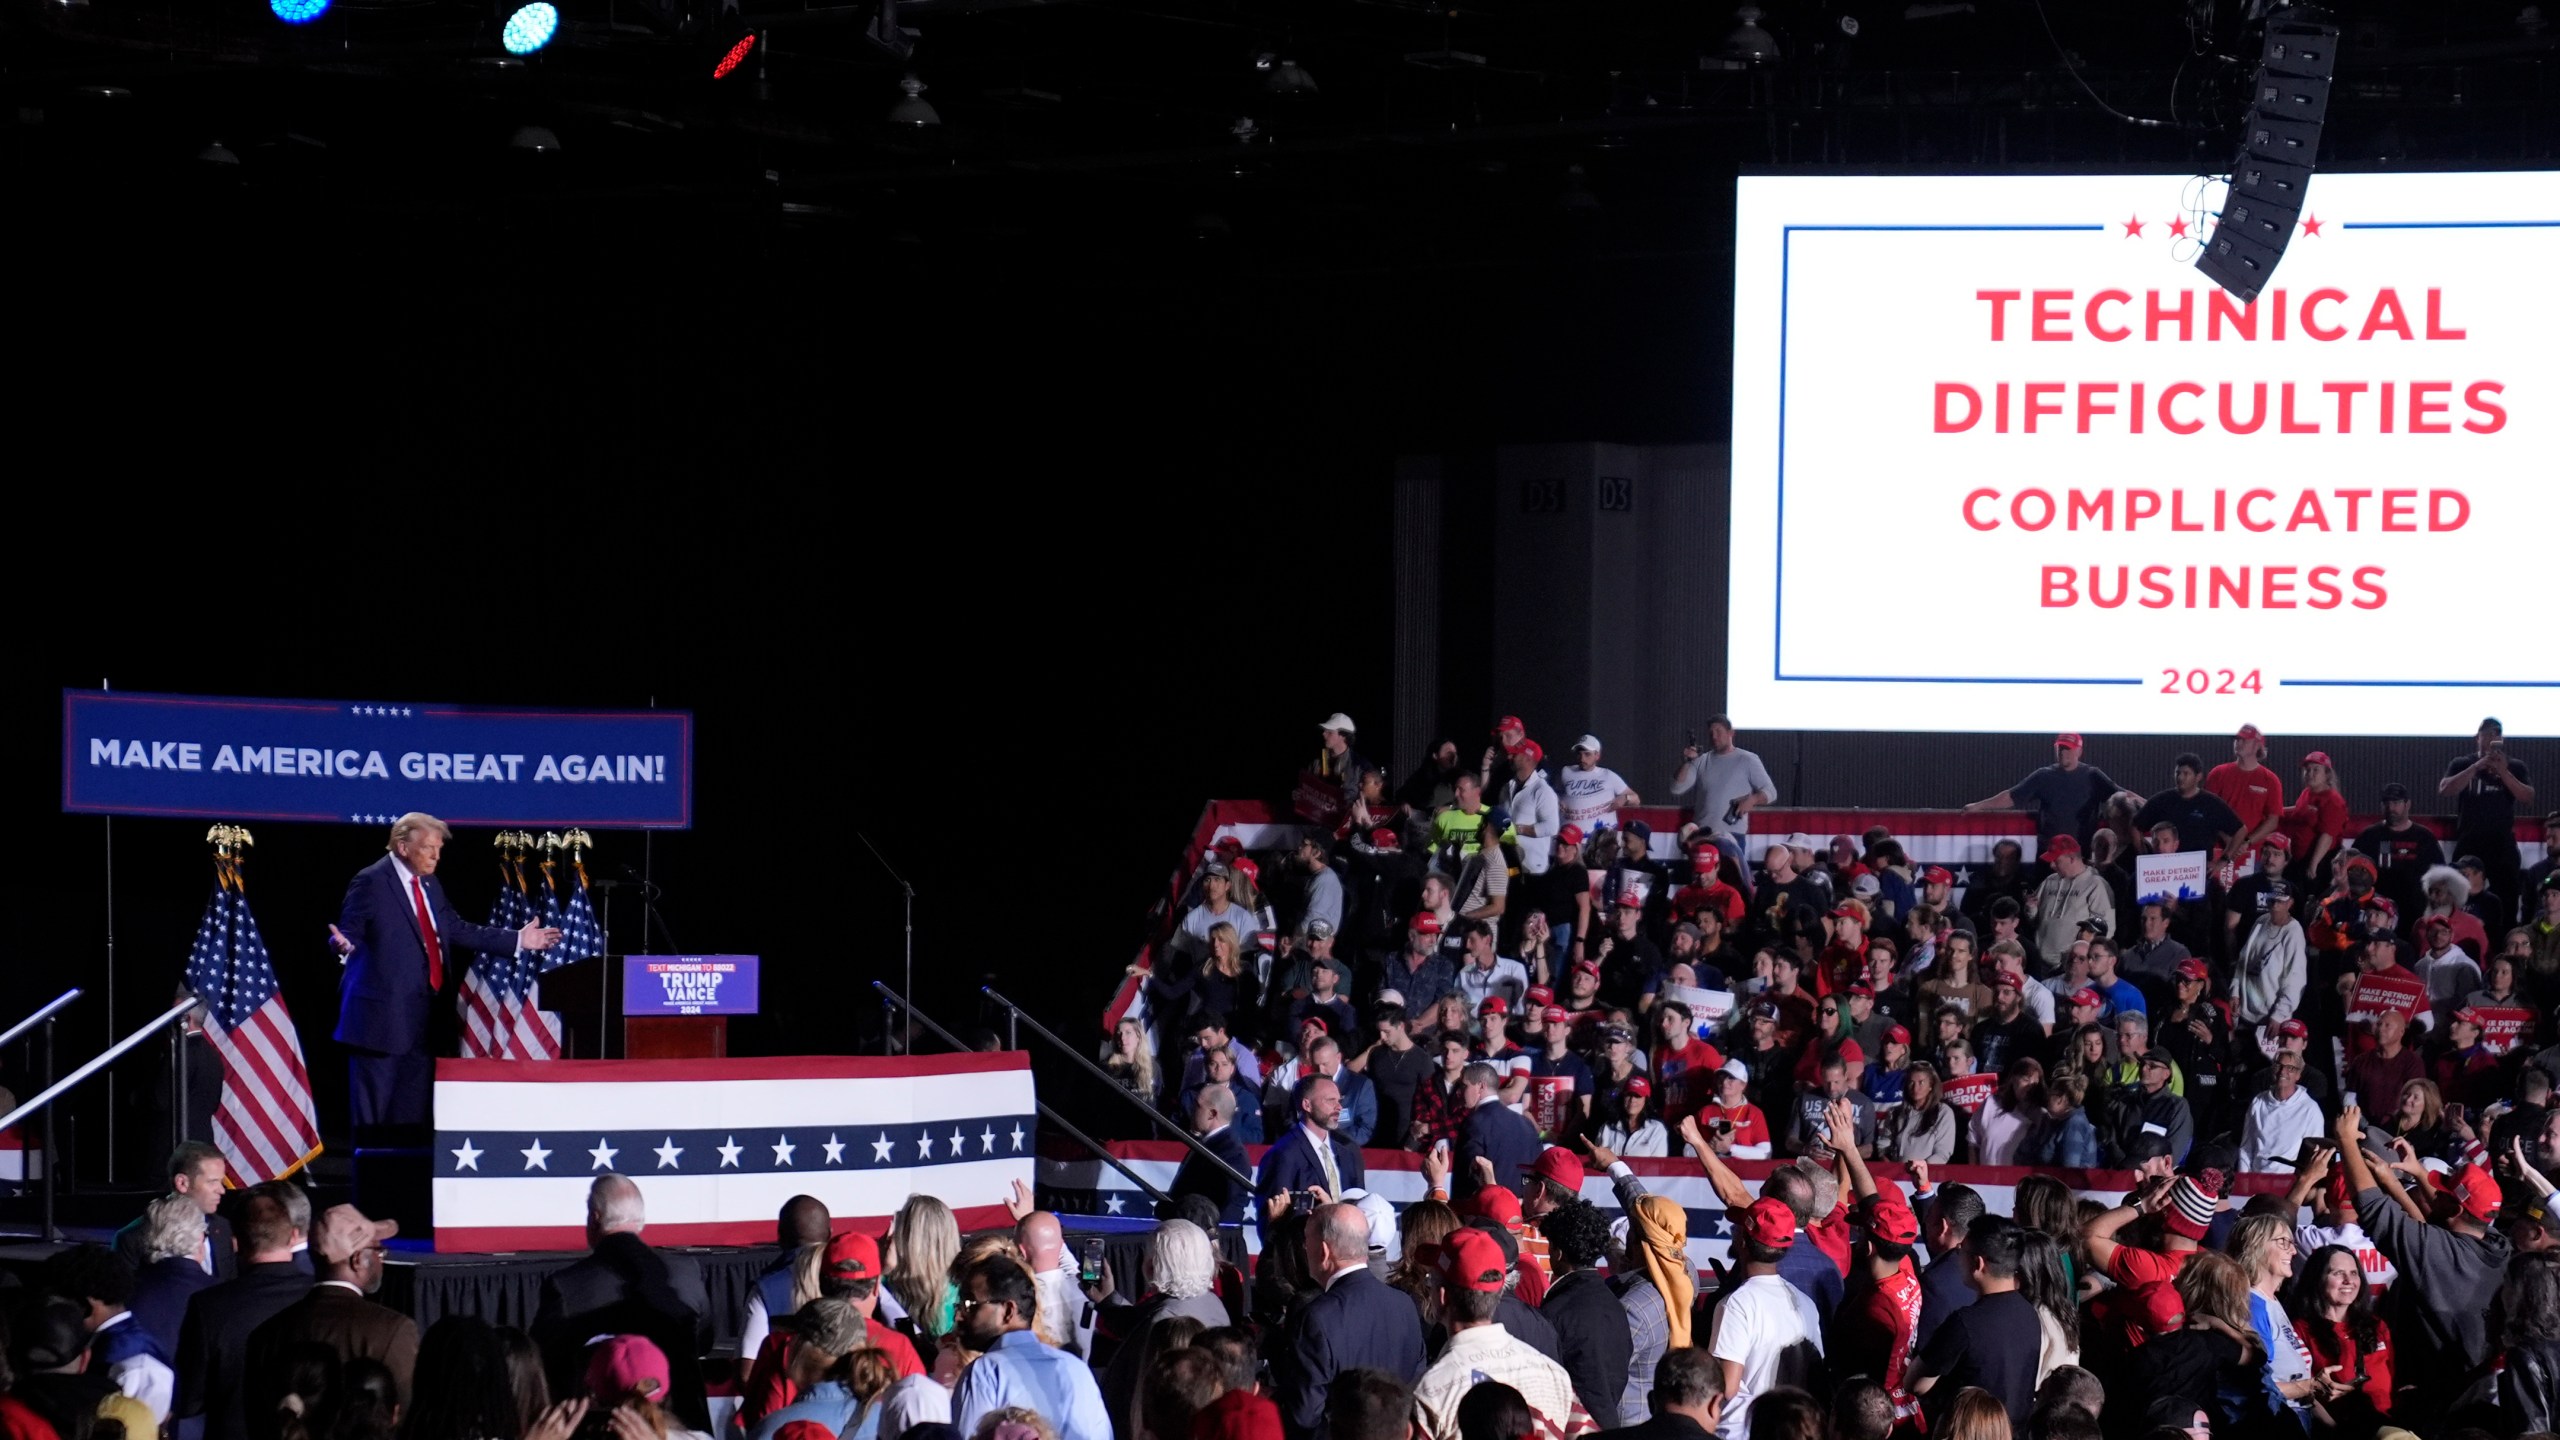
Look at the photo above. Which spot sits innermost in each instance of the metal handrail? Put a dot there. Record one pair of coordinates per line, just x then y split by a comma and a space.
104, 1058
1052, 1116
1024, 1017
41, 1016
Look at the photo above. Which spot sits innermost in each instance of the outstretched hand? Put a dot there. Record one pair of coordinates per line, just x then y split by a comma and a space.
1842, 1118
559, 1422
339, 942
2524, 1167
537, 936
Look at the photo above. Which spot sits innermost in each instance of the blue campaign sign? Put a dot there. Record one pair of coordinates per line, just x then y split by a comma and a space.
688, 984
369, 762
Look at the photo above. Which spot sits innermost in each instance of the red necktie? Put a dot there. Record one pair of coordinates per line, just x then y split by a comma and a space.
427, 932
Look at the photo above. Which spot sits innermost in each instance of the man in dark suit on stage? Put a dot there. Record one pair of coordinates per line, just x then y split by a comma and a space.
624, 1287
399, 938
1213, 1116
1310, 1156
1358, 1322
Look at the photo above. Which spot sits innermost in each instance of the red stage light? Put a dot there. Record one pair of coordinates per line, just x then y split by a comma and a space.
730, 61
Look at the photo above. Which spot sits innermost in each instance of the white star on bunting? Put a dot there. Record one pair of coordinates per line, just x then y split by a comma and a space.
835, 1150
729, 1152
466, 1158
880, 1148
1111, 1202
668, 1152
1017, 1137
535, 1157
959, 1143
782, 1151
924, 1147
602, 1154
987, 1141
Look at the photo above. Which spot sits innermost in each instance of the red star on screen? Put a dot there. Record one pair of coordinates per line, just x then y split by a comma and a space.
2133, 227
2311, 226
2178, 228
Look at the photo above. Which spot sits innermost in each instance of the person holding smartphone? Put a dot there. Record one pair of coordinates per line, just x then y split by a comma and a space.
2487, 787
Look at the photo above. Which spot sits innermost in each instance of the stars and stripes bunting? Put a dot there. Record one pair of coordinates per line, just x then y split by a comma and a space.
264, 1124
717, 1146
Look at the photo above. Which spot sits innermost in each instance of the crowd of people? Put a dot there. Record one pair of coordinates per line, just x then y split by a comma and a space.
1492, 969
1616, 983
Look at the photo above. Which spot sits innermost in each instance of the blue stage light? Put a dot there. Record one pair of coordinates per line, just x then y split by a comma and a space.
298, 12
529, 29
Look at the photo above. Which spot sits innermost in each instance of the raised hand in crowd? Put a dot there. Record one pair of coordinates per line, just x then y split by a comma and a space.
559, 1422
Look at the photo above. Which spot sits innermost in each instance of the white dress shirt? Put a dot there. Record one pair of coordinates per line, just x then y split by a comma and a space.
2275, 1129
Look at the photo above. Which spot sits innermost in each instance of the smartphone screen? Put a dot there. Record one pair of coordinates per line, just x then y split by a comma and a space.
1091, 1269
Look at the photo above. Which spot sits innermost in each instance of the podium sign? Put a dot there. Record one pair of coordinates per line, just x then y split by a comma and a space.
664, 985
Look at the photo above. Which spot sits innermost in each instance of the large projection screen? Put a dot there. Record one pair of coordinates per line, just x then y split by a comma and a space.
2003, 460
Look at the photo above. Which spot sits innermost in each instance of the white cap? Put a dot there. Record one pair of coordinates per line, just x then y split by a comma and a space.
1587, 742
1390, 996
1737, 1070
1341, 722
1382, 1222
1801, 841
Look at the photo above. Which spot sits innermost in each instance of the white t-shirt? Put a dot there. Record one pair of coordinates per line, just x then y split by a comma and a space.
1532, 803
2379, 1272
915, 1400
2290, 1359
1754, 1327
1590, 796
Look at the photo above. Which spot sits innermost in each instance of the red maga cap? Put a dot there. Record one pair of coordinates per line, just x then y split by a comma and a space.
1892, 1222
1771, 1223
1558, 1166
1469, 1259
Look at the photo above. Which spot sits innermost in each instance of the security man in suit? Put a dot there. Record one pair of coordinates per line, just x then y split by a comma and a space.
336, 1313
197, 1171
1310, 1157
397, 936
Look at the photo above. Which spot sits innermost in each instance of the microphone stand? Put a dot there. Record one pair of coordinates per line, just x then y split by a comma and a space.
604, 886
909, 1044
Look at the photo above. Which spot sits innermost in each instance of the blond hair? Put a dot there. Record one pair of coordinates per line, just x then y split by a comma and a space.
408, 826
924, 1240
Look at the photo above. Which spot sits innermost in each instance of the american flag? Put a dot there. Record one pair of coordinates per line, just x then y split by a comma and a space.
580, 936
500, 1020
264, 1125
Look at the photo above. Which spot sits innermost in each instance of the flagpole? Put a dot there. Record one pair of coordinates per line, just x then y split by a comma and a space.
910, 891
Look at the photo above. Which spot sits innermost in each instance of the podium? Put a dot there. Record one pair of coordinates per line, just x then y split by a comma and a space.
651, 1007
